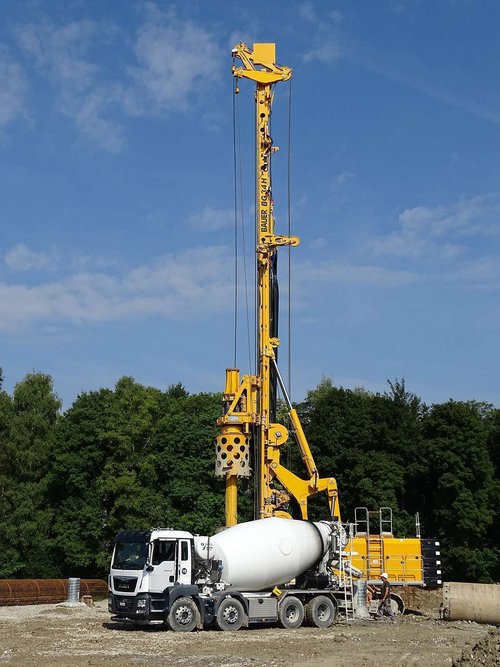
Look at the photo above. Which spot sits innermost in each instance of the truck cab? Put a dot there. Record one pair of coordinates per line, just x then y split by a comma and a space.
146, 567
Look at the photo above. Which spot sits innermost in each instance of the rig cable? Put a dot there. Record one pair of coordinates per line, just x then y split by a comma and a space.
235, 185
239, 221
289, 230
243, 242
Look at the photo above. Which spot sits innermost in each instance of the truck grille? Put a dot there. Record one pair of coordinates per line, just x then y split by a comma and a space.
126, 584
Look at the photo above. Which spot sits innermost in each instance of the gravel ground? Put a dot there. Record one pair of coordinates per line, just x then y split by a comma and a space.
60, 635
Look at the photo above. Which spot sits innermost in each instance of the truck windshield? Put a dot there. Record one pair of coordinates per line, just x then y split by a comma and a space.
130, 555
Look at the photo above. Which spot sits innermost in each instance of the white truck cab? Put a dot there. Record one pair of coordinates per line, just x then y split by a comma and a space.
144, 566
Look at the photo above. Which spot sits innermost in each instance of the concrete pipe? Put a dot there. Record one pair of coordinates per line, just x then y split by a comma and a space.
471, 602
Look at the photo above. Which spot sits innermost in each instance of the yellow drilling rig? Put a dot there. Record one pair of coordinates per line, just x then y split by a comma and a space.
250, 439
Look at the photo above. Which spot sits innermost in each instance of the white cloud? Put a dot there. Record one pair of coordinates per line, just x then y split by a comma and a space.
184, 286
468, 217
212, 219
325, 36
21, 258
60, 51
443, 94
307, 11
442, 231
215, 119
60, 54
80, 262
481, 273
335, 16
176, 59
318, 243
326, 51
13, 90
345, 273
89, 119
343, 178
404, 243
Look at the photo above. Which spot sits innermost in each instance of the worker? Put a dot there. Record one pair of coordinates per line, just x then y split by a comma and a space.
384, 606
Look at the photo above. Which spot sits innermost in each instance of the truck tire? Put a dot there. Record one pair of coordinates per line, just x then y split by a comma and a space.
291, 612
230, 615
320, 612
183, 616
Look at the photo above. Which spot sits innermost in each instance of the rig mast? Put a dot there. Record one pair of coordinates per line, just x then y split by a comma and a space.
248, 432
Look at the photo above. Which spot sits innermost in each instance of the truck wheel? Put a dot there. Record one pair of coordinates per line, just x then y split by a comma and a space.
291, 612
230, 615
320, 612
183, 616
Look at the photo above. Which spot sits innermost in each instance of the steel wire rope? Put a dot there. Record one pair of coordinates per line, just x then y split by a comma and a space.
235, 231
255, 428
289, 230
243, 243
256, 266
275, 285
239, 213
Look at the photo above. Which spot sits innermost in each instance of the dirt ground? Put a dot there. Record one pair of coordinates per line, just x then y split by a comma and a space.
59, 635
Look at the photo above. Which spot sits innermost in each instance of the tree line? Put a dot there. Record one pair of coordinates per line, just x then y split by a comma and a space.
137, 457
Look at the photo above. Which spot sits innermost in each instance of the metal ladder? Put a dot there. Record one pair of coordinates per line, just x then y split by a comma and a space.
375, 541
346, 578
374, 556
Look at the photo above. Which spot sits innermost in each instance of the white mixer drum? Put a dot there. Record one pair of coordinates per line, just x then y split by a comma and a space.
259, 555
203, 547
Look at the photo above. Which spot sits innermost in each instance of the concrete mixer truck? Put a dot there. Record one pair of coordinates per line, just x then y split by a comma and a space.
267, 571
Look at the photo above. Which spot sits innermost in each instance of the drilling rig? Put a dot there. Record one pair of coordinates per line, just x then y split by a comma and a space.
249, 418
249, 435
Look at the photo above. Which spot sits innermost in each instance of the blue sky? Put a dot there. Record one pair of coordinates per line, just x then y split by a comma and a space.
116, 183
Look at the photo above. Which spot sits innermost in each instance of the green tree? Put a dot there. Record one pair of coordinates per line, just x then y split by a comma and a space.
10, 561
493, 423
458, 490
131, 458
134, 457
368, 442
185, 463
99, 453
27, 422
